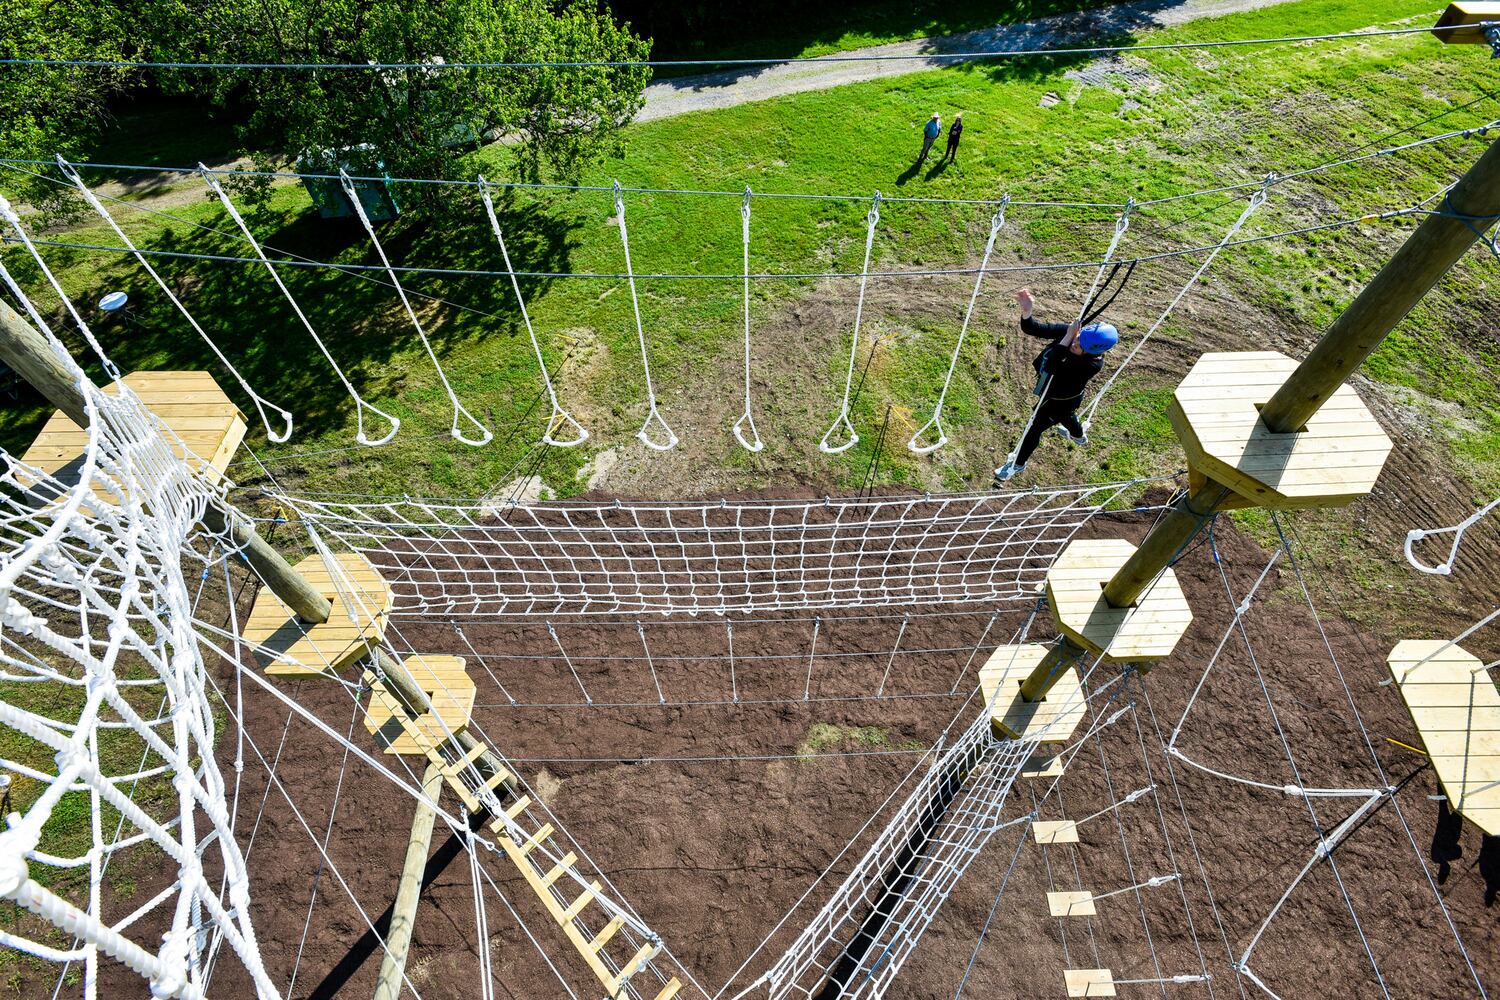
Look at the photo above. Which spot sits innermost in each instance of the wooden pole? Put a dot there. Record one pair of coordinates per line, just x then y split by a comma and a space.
35, 359
1423, 259
1060, 656
409, 891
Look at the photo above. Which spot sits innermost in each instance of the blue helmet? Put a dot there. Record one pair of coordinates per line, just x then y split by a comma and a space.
1096, 338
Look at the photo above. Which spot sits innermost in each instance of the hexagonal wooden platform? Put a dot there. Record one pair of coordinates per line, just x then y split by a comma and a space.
1216, 413
1456, 708
452, 692
1146, 631
287, 647
191, 404
1051, 720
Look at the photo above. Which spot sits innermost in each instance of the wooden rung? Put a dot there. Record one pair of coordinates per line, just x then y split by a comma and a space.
602, 938
515, 809
546, 831
462, 764
670, 990
560, 869
576, 907
631, 967
470, 800
497, 779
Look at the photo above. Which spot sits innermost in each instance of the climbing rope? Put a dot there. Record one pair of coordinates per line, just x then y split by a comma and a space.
10, 216
458, 408
1256, 200
560, 417
996, 221
871, 219
261, 404
1445, 567
360, 405
1122, 224
653, 413
746, 420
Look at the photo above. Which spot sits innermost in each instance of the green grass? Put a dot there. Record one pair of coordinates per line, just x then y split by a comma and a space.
1204, 119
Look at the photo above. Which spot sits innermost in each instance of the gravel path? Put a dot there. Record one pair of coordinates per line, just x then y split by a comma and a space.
728, 88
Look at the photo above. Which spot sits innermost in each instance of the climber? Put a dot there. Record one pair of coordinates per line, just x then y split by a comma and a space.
1073, 355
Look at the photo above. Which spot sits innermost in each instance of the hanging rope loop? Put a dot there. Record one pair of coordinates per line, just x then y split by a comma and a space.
261, 404
747, 422
360, 406
460, 414
841, 424
665, 439
1445, 567
936, 423
560, 417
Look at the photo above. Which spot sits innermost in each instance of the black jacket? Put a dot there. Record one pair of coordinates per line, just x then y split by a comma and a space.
1070, 372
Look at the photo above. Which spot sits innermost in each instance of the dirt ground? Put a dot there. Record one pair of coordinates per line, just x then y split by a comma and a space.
713, 852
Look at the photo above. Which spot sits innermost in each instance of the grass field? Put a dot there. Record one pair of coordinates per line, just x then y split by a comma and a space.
1163, 123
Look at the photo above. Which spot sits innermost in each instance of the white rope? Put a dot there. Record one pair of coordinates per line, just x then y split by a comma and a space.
872, 218
9, 214
1445, 567
485, 436
670, 441
261, 404
996, 221
560, 417
1256, 200
1121, 225
360, 405
754, 442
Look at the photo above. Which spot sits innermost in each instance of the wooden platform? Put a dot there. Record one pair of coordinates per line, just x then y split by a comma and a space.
287, 647
1455, 706
1042, 767
1089, 982
1055, 831
1216, 413
1075, 590
1472, 12
1051, 720
452, 692
1071, 904
191, 404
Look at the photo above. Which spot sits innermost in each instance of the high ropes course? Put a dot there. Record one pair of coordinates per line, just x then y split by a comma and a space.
411, 634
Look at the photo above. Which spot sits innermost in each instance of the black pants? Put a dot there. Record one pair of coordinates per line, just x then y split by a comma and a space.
952, 153
1052, 413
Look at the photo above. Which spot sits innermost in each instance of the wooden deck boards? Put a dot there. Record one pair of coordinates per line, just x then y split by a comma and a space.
1075, 590
1051, 720
288, 647
452, 692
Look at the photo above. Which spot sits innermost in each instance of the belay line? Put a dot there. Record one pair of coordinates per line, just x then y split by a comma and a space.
653, 414
360, 406
871, 220
1256, 200
996, 221
261, 404
459, 413
560, 417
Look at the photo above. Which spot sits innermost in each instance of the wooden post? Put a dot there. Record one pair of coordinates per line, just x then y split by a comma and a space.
33, 357
409, 891
1060, 656
1423, 259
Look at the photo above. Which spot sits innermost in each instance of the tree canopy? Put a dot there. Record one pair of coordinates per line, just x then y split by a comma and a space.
411, 122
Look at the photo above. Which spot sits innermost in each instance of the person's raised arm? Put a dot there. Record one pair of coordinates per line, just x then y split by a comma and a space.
1035, 328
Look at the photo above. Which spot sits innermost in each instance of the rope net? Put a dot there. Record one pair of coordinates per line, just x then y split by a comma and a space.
728, 556
97, 608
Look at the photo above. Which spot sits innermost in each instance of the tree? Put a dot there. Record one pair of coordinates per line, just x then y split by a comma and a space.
413, 122
47, 110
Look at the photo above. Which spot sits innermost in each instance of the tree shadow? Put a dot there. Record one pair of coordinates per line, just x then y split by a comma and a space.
356, 313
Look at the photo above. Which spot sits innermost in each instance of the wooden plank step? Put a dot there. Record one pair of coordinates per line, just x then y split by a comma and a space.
647, 952
610, 930
546, 831
674, 985
500, 777
560, 869
584, 899
462, 764
515, 809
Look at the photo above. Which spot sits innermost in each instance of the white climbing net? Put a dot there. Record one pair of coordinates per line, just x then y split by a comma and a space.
728, 556
96, 606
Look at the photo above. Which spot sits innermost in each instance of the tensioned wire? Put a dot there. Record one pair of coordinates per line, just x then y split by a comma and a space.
1026, 53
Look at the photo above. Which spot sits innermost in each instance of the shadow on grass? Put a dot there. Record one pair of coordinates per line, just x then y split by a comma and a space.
357, 314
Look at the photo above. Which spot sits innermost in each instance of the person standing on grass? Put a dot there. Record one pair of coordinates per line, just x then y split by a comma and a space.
930, 132
1073, 355
954, 131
